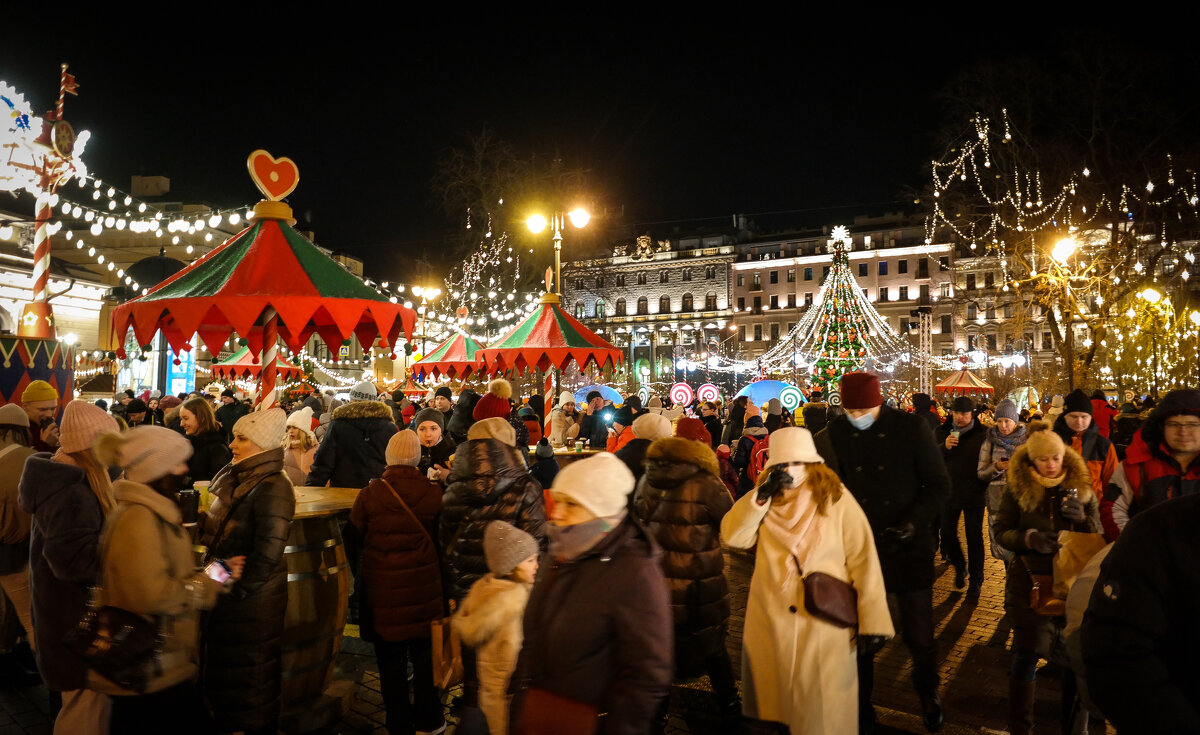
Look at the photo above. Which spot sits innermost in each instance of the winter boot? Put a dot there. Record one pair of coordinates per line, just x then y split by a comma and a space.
1020, 706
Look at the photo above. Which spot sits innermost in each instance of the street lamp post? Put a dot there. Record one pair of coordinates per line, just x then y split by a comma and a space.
579, 218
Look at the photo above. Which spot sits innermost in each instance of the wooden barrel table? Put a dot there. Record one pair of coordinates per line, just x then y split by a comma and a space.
318, 585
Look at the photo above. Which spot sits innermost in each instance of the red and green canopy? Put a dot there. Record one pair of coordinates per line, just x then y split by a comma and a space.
963, 383
549, 337
266, 266
456, 358
244, 364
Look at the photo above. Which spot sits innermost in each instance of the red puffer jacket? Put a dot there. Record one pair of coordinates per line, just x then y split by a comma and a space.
1148, 476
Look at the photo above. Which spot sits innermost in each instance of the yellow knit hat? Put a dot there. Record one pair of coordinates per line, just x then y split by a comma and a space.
38, 391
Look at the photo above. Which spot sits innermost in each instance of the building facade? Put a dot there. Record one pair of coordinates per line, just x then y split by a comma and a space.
660, 300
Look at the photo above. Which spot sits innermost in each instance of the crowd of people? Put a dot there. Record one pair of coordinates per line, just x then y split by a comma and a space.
583, 585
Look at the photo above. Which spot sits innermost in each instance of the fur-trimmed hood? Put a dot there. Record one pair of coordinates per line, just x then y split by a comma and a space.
491, 604
1029, 493
363, 410
678, 449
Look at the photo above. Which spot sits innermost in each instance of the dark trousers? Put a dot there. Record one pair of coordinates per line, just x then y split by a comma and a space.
915, 609
181, 705
425, 710
973, 522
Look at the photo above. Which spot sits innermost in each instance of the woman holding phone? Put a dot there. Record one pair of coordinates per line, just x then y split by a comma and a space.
252, 509
147, 567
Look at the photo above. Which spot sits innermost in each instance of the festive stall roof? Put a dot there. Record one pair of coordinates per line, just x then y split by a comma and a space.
963, 383
456, 357
264, 283
412, 389
243, 364
549, 337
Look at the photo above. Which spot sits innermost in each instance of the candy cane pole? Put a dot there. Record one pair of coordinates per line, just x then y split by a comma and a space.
62, 94
41, 247
266, 388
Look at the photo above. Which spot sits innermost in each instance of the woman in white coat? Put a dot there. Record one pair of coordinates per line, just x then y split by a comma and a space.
798, 669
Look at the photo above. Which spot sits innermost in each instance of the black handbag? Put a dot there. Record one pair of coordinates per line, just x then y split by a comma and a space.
120, 645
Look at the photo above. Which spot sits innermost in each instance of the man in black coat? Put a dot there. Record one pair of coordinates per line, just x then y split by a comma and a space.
353, 450
593, 426
1140, 639
890, 461
961, 439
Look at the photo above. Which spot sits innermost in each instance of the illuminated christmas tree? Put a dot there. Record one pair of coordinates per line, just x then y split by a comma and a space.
842, 332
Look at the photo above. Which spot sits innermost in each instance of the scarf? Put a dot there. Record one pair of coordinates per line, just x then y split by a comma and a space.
235, 481
793, 521
1049, 481
568, 543
1008, 443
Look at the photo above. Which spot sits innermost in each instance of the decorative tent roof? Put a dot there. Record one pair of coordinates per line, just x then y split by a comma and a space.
963, 383
268, 264
243, 364
412, 389
549, 337
456, 357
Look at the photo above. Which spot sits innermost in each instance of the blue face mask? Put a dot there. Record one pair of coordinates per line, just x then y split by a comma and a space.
862, 422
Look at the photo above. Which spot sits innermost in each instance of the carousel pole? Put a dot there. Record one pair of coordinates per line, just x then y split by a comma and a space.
266, 388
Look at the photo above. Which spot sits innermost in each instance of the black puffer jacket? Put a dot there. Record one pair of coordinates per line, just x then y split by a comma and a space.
209, 454
488, 483
353, 449
64, 561
437, 454
242, 661
682, 500
462, 419
962, 464
633, 455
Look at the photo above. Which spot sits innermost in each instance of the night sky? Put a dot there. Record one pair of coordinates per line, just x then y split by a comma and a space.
672, 121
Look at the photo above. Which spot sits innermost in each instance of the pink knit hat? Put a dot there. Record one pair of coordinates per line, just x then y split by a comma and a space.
82, 422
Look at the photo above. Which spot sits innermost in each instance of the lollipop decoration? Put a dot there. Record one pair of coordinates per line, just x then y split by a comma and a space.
791, 397
644, 394
835, 398
681, 394
708, 392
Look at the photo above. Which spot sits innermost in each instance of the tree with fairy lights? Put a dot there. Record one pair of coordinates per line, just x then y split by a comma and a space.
842, 331
1078, 179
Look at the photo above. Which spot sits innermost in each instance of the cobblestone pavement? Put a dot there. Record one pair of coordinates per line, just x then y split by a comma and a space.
971, 639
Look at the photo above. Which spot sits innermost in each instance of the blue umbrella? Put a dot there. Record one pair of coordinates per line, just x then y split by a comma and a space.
761, 391
609, 394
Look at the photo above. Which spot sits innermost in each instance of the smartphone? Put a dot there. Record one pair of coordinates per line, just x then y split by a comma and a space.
218, 570
48, 421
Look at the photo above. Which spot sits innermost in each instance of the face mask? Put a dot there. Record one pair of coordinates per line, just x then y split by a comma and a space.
862, 422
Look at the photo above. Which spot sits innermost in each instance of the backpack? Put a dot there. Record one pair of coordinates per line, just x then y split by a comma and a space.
759, 454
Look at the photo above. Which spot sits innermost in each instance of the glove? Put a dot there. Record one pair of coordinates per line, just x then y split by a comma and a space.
1043, 542
1073, 510
899, 534
778, 481
869, 645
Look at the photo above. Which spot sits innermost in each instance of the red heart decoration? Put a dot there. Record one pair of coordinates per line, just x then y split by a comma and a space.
274, 177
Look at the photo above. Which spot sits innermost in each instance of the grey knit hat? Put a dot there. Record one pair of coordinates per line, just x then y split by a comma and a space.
429, 414
1006, 410
505, 546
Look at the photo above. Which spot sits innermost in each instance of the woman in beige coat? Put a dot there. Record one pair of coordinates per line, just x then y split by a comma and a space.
798, 669
149, 569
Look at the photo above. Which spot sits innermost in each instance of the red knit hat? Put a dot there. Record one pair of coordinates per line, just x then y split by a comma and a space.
861, 390
494, 404
690, 428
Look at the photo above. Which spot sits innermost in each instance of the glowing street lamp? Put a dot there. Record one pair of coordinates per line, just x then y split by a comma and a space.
1063, 250
536, 223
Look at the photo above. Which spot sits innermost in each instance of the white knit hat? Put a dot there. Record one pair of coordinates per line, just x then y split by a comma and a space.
792, 444
403, 448
302, 419
146, 453
364, 391
601, 484
82, 422
263, 428
566, 397
651, 426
